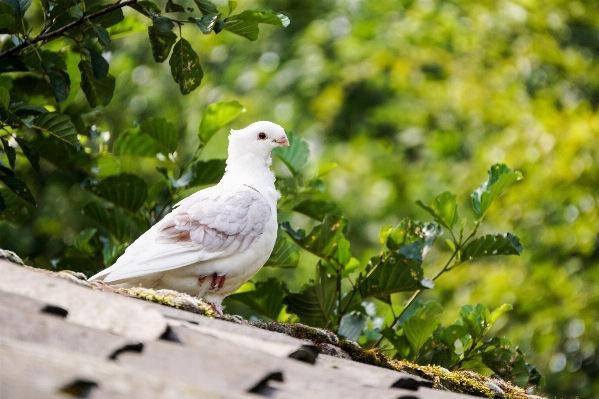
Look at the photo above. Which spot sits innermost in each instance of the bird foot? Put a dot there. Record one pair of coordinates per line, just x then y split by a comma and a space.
217, 309
218, 281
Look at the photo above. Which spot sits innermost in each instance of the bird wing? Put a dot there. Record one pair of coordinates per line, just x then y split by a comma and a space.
212, 223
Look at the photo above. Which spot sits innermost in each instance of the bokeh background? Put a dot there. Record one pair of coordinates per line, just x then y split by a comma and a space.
409, 99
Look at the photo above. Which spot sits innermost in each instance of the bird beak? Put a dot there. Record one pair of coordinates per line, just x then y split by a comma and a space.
283, 142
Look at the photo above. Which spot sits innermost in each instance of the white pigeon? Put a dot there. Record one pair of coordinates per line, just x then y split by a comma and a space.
216, 239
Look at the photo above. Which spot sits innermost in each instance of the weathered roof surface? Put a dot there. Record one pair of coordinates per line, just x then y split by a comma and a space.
61, 339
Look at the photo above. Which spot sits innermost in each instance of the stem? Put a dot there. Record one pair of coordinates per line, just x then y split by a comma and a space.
60, 31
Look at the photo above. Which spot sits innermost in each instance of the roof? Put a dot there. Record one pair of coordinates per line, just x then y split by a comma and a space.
59, 338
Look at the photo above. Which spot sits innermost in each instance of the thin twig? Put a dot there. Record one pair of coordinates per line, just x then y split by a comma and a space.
60, 31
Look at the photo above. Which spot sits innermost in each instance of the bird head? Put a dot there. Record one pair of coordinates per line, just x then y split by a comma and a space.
259, 139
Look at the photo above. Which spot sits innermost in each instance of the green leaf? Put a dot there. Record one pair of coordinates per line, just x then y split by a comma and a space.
19, 188
232, 6
125, 190
475, 319
296, 155
444, 209
285, 253
19, 6
82, 241
112, 253
315, 304
326, 240
207, 172
16, 209
62, 155
8, 24
418, 331
113, 219
185, 67
267, 299
207, 22
134, 142
395, 274
4, 97
247, 29
352, 326
58, 125
453, 333
492, 244
161, 42
106, 20
216, 116
505, 360
173, 7
2, 203
11, 154
206, 7
102, 35
163, 24
500, 178
262, 16
59, 81
97, 91
497, 313
317, 209
163, 132
99, 64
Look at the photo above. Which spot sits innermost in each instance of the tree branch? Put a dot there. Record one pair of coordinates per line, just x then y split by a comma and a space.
58, 32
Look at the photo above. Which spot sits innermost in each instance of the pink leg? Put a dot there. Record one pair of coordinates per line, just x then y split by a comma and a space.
218, 281
201, 280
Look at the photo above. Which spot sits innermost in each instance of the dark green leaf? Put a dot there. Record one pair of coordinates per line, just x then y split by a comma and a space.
267, 299
102, 34
444, 209
163, 24
146, 8
18, 187
492, 244
395, 274
97, 91
106, 20
59, 81
326, 240
207, 172
61, 154
500, 178
113, 219
216, 116
261, 16
185, 67
173, 7
4, 97
98, 63
125, 190
285, 253
8, 24
161, 42
58, 125
12, 64
19, 6
2, 203
352, 325
206, 7
296, 155
17, 210
111, 254
475, 319
315, 304
418, 331
207, 22
317, 209
505, 360
11, 154
134, 142
163, 132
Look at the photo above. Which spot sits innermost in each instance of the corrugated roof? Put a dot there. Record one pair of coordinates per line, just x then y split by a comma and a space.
60, 339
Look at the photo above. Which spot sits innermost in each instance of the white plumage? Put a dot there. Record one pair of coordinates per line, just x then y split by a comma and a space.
216, 239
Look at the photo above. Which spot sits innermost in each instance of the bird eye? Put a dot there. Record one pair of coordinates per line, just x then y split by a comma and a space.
262, 136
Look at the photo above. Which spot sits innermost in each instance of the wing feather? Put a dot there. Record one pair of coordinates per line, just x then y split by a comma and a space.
207, 225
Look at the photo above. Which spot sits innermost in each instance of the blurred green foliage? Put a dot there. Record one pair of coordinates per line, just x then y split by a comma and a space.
408, 99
